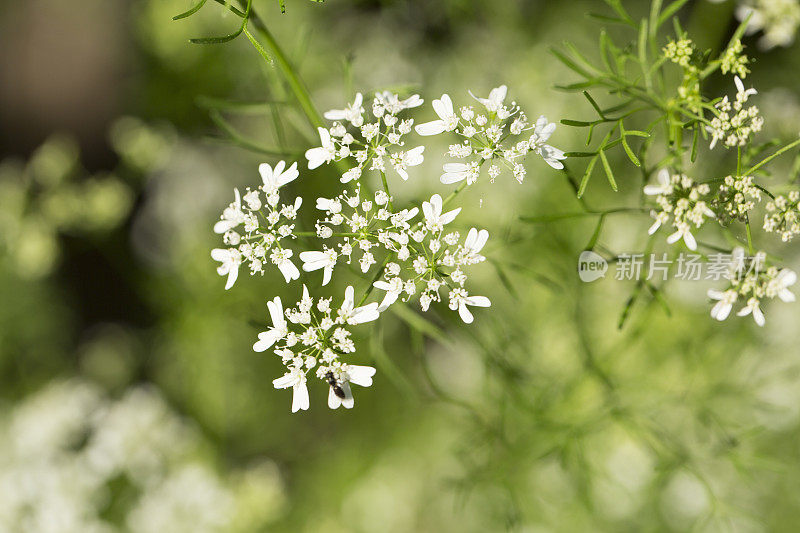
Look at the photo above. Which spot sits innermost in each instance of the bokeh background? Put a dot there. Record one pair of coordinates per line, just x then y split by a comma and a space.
131, 397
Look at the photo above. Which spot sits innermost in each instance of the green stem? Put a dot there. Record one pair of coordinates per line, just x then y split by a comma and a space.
738, 160
386, 190
750, 248
378, 275
290, 73
454, 193
773, 156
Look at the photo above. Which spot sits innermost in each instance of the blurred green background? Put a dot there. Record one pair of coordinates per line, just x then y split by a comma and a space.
131, 397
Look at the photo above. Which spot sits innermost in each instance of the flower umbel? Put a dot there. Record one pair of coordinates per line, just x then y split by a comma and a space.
496, 132
253, 226
751, 281
683, 202
315, 336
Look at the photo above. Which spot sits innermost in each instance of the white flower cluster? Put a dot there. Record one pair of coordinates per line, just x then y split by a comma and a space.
735, 123
779, 20
419, 258
368, 143
783, 216
414, 256
65, 448
737, 196
487, 135
264, 222
312, 335
367, 224
751, 282
681, 200
436, 262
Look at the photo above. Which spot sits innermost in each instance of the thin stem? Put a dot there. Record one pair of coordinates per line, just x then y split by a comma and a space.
378, 275
290, 73
454, 193
386, 189
738, 160
773, 156
750, 248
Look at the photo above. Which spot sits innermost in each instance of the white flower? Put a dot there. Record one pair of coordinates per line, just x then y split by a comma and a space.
278, 330
725, 302
315, 260
474, 243
392, 103
434, 219
296, 379
232, 216
281, 259
393, 288
356, 374
230, 259
459, 299
455, 172
664, 184
352, 113
684, 233
447, 118
322, 154
740, 90
403, 160
496, 98
273, 179
779, 19
332, 205
537, 142
753, 308
785, 278
358, 315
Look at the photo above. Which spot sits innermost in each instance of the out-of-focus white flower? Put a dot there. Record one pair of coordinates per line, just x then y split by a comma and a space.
778, 19
751, 282
683, 201
725, 301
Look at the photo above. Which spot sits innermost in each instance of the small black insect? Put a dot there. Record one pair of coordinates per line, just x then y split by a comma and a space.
337, 389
